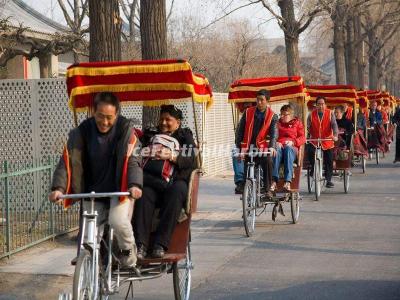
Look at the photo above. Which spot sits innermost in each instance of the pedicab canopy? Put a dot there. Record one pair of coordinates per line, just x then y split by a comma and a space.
362, 99
147, 83
281, 88
374, 96
334, 94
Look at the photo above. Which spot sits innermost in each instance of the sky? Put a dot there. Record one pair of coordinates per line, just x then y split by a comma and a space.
209, 10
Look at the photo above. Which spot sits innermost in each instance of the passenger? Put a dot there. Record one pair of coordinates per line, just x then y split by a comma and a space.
258, 130
96, 155
291, 137
361, 121
166, 190
375, 117
321, 123
344, 124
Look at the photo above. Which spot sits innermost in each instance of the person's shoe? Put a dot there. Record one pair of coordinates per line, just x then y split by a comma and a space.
158, 251
272, 188
239, 188
141, 251
286, 186
128, 258
74, 260
330, 184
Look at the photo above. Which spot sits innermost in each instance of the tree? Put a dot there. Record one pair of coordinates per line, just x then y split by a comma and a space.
292, 28
105, 30
79, 11
153, 34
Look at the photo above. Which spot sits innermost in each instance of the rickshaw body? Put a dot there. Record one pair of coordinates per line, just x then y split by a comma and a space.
283, 90
148, 83
338, 95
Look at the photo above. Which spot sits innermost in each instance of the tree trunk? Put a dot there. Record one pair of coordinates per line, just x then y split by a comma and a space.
339, 52
105, 30
153, 29
359, 53
153, 33
373, 72
291, 30
351, 70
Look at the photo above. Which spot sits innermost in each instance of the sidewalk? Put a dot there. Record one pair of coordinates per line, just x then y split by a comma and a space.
51, 261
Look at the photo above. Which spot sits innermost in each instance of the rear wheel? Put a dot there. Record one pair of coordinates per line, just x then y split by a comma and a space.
295, 206
83, 284
310, 181
249, 208
363, 164
377, 156
182, 276
346, 181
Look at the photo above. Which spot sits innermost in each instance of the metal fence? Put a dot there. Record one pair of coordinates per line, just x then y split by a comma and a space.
34, 123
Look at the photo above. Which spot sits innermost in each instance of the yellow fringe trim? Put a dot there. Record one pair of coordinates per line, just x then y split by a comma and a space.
332, 91
269, 88
116, 70
302, 96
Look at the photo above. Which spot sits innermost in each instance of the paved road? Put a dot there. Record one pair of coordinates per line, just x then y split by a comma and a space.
345, 247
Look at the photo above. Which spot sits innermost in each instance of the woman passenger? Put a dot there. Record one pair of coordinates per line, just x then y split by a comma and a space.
290, 138
167, 187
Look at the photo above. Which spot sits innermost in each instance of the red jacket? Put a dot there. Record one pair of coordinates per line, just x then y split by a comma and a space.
291, 131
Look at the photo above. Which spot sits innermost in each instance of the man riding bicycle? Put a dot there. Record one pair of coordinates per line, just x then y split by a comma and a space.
102, 156
321, 124
258, 130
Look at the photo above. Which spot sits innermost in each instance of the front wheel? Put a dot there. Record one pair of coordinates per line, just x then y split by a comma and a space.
249, 208
295, 207
317, 180
309, 181
182, 276
83, 285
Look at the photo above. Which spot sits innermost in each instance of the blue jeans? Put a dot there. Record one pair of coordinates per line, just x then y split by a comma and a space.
238, 169
288, 154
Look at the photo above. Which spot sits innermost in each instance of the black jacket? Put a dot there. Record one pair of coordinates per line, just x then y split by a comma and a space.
76, 150
186, 160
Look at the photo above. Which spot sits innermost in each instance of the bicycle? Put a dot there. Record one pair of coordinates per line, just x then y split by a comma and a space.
318, 168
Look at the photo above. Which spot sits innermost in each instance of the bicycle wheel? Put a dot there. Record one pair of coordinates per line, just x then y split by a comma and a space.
363, 164
295, 206
317, 180
182, 276
346, 181
83, 284
249, 208
377, 155
309, 181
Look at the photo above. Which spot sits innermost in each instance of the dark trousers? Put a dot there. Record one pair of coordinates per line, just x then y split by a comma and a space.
266, 165
328, 161
170, 200
397, 156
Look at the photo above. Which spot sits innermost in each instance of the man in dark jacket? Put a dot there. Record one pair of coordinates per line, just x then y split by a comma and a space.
258, 130
375, 116
396, 121
102, 155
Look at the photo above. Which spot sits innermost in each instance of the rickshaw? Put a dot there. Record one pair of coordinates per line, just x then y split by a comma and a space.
376, 133
149, 83
389, 127
336, 95
284, 90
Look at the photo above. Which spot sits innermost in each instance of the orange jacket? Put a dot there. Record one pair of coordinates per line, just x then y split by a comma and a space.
322, 129
261, 140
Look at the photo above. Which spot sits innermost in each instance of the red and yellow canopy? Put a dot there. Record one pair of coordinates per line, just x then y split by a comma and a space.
147, 83
334, 94
362, 99
374, 96
281, 88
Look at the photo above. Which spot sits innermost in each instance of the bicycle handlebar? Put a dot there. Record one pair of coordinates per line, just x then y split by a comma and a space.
94, 195
253, 153
318, 140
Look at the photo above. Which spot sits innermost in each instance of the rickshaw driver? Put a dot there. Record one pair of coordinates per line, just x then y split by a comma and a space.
256, 125
321, 124
103, 156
